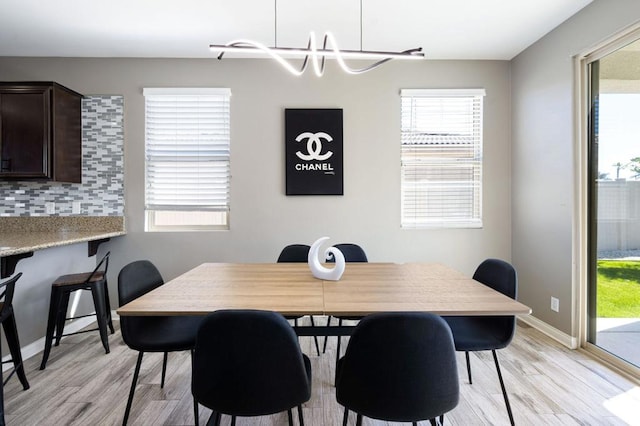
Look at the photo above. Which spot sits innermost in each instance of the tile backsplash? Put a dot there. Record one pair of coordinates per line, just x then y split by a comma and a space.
101, 192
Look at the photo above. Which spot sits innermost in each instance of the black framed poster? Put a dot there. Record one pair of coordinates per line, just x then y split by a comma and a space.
313, 151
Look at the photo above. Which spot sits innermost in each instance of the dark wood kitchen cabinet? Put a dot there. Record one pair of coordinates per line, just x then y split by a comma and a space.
40, 132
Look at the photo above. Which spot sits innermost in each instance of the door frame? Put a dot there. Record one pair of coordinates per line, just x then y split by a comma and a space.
581, 227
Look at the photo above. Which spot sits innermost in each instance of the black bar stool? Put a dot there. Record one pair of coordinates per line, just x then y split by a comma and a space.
11, 334
61, 290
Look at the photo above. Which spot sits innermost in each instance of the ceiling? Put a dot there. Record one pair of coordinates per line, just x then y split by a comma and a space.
445, 29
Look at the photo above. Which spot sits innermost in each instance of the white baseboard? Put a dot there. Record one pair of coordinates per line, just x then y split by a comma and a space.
37, 347
560, 336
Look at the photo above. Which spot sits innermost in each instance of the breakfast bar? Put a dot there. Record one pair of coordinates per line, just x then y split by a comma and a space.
21, 236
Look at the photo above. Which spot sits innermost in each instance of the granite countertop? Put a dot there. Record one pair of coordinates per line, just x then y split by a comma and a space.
26, 234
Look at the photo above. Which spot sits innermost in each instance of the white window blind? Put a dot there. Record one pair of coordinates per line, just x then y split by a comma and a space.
441, 158
187, 154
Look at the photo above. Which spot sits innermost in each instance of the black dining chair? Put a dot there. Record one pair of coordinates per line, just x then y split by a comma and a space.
8, 320
297, 253
248, 363
352, 253
400, 367
484, 333
153, 333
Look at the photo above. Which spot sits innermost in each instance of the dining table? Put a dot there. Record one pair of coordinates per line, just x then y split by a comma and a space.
291, 289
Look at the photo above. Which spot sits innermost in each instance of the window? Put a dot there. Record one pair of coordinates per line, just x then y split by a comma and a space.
441, 158
187, 159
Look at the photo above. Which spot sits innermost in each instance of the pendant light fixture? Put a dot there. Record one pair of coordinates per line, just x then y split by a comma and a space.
313, 54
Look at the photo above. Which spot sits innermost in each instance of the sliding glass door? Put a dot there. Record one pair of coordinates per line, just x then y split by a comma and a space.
614, 203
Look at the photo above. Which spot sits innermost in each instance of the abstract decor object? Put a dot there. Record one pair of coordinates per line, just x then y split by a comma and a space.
317, 269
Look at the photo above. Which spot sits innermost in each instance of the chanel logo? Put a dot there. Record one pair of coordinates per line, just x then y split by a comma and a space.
314, 146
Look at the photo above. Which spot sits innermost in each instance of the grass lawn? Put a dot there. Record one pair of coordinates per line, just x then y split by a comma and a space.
618, 289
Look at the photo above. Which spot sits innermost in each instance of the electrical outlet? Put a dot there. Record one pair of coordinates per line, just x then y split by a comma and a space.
555, 304
76, 207
50, 207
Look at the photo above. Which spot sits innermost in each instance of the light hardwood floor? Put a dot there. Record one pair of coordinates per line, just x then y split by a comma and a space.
547, 383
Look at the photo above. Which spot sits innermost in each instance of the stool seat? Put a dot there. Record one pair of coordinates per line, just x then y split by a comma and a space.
76, 279
61, 289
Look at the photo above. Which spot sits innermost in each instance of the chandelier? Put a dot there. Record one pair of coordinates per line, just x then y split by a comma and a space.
314, 55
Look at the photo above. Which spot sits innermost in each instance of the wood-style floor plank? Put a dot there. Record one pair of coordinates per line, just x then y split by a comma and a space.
547, 384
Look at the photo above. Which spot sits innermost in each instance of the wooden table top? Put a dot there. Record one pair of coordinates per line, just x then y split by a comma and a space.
289, 288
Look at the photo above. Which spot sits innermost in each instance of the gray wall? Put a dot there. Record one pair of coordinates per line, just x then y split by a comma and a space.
263, 219
543, 148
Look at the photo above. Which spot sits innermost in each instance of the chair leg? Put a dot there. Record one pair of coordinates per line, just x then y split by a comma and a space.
290, 417
11, 334
300, 416
108, 307
214, 419
315, 338
326, 338
345, 416
504, 391
466, 354
97, 291
133, 389
164, 369
196, 415
63, 305
359, 420
51, 325
1, 395
339, 339
233, 420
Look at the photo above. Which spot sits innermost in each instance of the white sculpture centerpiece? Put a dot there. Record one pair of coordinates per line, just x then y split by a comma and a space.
317, 269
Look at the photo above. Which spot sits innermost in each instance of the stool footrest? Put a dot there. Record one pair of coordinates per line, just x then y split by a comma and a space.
9, 376
80, 332
81, 316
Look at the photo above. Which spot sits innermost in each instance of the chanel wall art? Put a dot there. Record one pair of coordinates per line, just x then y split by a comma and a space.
313, 151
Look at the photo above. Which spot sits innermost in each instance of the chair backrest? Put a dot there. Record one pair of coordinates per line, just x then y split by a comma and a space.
248, 363
500, 276
137, 278
99, 268
134, 280
352, 252
7, 288
399, 367
297, 253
